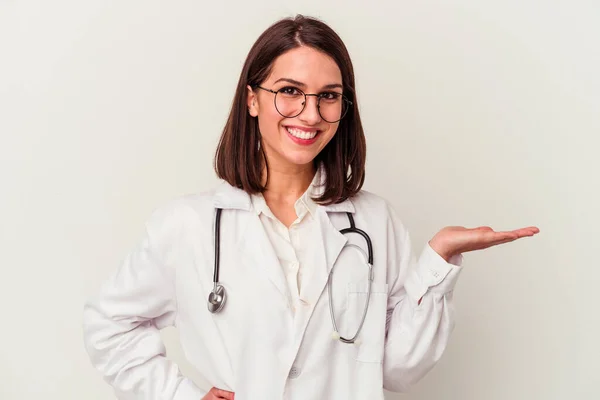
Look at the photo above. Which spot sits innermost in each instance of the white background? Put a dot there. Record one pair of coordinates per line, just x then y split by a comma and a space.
476, 113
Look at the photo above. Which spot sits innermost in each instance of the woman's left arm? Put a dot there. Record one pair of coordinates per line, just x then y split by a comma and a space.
420, 316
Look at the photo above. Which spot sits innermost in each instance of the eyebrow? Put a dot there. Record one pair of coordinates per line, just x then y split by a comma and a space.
302, 85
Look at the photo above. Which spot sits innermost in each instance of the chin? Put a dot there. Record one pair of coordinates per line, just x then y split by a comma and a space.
301, 161
300, 157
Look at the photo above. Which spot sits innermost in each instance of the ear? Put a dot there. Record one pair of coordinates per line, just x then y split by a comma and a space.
252, 102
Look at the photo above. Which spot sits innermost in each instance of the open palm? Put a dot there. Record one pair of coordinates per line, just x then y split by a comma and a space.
453, 240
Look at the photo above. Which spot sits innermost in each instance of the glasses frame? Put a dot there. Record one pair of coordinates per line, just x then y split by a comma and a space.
319, 96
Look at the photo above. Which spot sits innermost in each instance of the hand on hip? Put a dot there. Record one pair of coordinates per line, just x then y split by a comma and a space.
216, 394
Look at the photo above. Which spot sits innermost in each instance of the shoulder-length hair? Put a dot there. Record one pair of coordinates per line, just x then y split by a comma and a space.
239, 158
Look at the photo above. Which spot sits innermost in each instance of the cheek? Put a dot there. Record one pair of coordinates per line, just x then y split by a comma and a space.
330, 133
269, 121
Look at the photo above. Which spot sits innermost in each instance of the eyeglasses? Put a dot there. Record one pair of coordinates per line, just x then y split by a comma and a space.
290, 102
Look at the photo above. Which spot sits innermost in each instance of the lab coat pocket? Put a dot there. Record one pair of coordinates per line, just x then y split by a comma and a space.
371, 339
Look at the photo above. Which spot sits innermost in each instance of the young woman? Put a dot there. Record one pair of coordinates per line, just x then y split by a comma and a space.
287, 281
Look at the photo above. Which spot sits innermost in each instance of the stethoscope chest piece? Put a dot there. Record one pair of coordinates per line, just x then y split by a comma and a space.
216, 299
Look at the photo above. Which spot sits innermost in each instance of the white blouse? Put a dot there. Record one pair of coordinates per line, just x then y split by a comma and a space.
292, 245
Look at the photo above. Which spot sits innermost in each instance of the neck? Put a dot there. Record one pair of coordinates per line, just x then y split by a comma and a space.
288, 182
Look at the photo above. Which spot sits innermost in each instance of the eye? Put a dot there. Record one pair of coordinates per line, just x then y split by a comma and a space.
289, 91
330, 96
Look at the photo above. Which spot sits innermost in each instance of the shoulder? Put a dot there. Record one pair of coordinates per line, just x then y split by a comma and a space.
378, 211
181, 211
175, 222
371, 203
183, 205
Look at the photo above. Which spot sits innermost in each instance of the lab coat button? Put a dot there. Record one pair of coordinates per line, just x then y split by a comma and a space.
294, 372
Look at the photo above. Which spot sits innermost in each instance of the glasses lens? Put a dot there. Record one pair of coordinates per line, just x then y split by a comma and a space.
332, 107
289, 102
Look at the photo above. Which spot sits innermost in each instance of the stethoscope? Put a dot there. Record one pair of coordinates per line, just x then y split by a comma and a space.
218, 296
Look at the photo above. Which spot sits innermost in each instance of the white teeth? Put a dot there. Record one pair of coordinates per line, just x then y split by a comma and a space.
301, 134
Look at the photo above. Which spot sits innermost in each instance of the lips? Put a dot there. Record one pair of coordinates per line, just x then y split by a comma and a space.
301, 135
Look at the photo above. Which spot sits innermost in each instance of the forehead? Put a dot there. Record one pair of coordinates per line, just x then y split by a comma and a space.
306, 65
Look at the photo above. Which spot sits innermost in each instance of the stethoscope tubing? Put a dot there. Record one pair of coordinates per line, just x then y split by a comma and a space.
217, 297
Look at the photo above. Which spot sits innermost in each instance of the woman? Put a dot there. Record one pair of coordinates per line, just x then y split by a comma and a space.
292, 161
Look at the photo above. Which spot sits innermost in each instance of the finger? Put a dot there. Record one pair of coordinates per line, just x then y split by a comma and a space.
528, 231
505, 237
518, 233
491, 237
216, 394
532, 229
503, 241
223, 394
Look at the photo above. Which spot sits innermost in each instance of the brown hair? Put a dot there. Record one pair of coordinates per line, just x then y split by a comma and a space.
239, 158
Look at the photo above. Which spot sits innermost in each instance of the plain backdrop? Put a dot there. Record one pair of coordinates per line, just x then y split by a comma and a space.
476, 112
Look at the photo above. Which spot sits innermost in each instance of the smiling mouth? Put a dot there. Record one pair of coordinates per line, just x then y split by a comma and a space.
302, 134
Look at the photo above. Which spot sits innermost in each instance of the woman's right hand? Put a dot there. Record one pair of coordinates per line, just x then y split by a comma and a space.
216, 394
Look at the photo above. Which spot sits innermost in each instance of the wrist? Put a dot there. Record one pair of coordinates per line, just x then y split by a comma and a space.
440, 250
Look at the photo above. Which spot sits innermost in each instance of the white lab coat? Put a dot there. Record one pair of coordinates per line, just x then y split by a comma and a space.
257, 347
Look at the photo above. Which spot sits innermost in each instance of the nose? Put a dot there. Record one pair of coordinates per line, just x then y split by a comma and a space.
310, 115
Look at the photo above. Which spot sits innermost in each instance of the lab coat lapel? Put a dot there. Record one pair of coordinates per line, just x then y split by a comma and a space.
257, 252
330, 244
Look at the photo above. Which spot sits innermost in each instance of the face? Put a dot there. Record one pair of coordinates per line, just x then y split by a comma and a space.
295, 142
